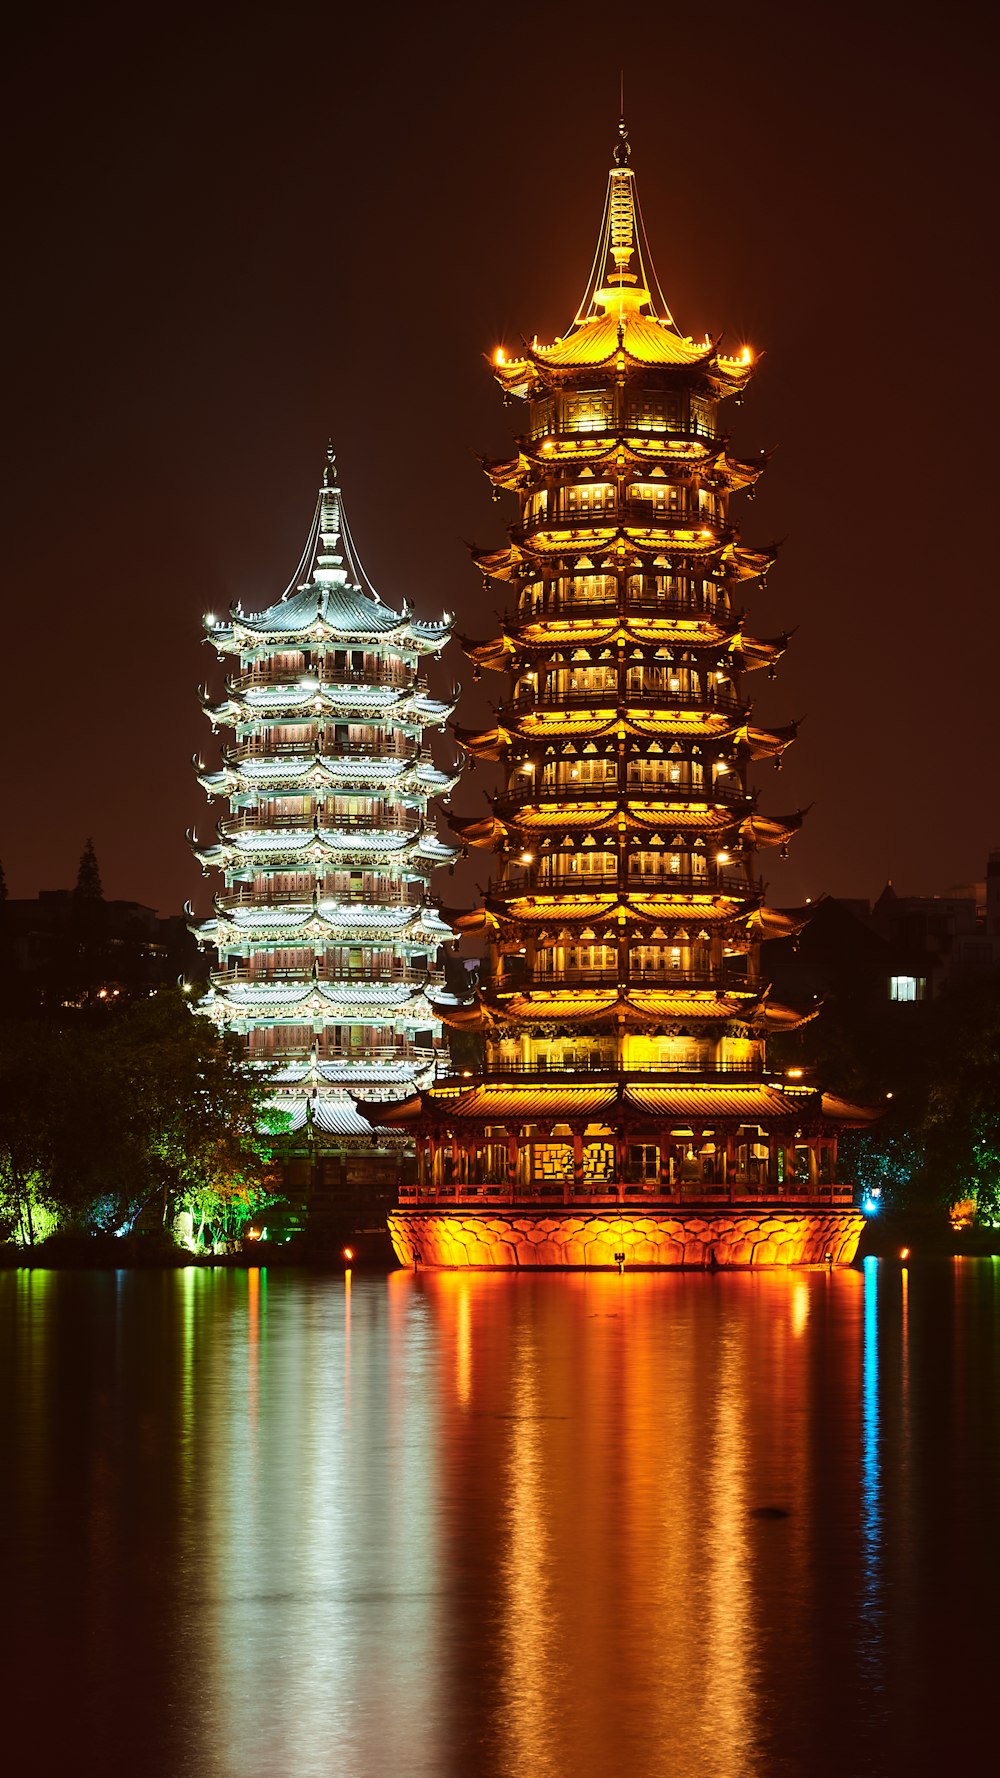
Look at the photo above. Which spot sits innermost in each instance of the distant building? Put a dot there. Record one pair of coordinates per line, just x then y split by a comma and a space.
901, 948
60, 950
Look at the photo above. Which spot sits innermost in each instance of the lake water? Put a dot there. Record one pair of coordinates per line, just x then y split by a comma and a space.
685, 1526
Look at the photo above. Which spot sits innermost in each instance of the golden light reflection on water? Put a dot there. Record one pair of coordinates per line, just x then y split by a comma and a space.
728, 1698
529, 1631
448, 1525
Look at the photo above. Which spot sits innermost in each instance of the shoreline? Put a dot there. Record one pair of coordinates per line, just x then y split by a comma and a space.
885, 1237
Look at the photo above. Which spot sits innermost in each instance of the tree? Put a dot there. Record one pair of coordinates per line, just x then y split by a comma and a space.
191, 1109
103, 1124
31, 1059
88, 876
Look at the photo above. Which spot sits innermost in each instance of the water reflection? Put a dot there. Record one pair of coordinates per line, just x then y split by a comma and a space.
448, 1525
871, 1483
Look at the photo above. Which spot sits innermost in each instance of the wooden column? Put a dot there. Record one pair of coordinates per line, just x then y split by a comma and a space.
577, 1160
513, 1152
620, 1147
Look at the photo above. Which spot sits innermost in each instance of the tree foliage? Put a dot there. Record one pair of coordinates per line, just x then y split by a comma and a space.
105, 1124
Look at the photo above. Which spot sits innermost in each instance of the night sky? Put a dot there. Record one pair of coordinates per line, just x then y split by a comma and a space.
233, 232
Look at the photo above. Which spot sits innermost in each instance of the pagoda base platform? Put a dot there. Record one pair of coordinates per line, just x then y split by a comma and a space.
577, 1240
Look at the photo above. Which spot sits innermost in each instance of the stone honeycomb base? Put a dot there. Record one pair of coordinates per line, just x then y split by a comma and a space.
522, 1239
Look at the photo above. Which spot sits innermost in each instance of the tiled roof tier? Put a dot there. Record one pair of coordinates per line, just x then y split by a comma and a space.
551, 639
624, 452
635, 908
302, 773
334, 1117
618, 547
544, 725
700, 1107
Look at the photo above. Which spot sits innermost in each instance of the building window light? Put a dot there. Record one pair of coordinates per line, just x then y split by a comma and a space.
907, 987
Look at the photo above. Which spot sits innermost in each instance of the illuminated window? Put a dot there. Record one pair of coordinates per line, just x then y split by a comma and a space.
907, 987
586, 410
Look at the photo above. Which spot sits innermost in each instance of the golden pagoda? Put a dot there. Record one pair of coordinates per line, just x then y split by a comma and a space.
625, 1112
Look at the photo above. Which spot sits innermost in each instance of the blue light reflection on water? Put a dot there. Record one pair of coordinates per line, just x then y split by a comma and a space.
871, 1477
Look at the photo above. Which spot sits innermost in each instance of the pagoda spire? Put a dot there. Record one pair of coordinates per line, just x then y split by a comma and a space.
330, 557
623, 279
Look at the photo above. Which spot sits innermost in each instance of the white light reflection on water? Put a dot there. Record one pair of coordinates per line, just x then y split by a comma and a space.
320, 1533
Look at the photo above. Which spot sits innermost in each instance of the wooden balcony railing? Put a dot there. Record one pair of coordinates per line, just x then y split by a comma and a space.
306, 679
260, 747
380, 820
531, 787
385, 892
610, 693
394, 972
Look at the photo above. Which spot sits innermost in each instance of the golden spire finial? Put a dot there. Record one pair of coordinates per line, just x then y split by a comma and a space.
623, 147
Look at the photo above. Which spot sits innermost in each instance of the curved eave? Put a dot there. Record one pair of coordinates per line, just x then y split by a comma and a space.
760, 743
495, 653
218, 783
848, 1115
765, 923
787, 1018
751, 653
482, 743
771, 830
